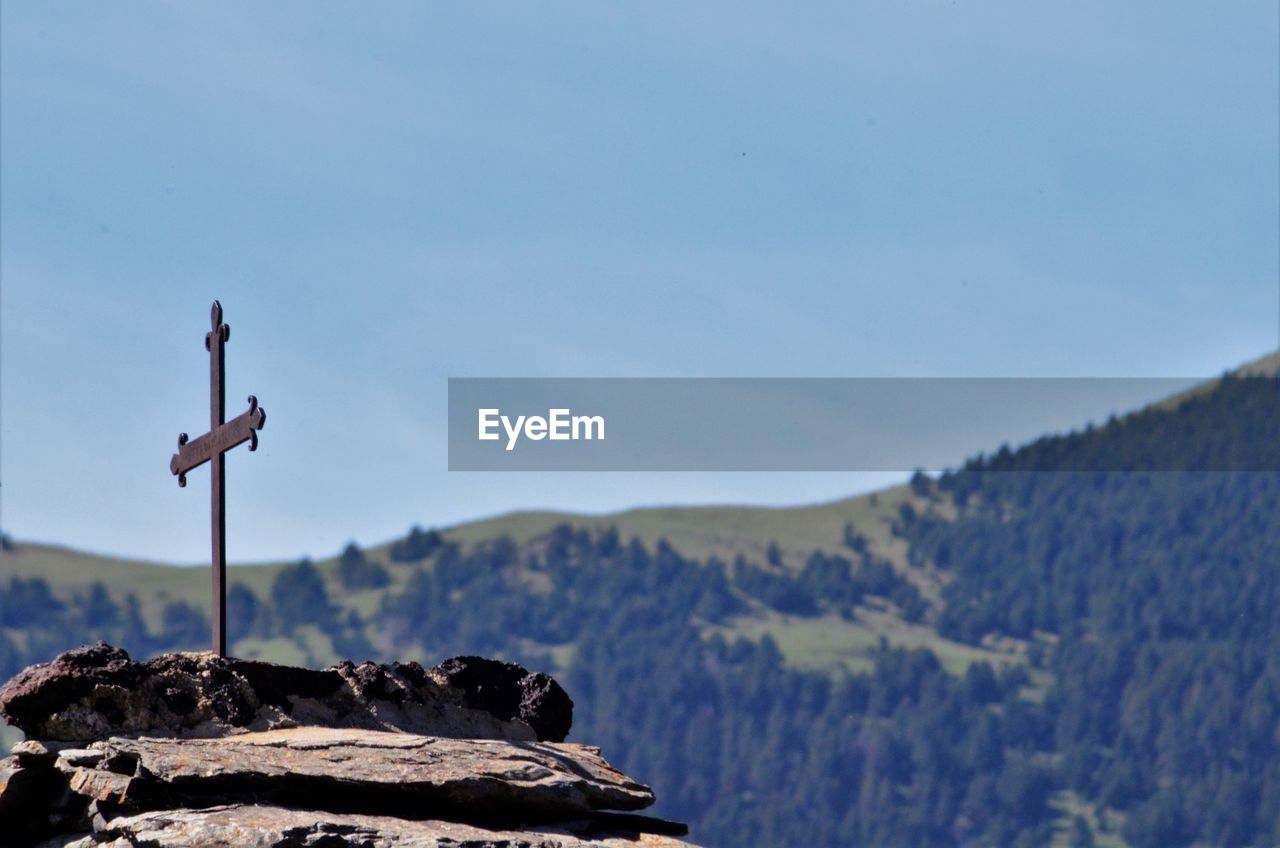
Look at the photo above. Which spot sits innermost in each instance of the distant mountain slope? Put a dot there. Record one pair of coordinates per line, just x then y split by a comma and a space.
1004, 656
723, 531
696, 531
1263, 366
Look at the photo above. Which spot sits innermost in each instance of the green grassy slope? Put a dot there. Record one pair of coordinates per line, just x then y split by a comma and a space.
724, 531
70, 572
697, 532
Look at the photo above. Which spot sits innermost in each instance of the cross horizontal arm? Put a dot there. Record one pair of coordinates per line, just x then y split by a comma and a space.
220, 440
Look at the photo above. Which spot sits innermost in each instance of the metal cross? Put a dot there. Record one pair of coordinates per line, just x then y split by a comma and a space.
210, 447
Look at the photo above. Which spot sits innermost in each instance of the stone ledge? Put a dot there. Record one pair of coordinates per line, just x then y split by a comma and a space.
362, 771
264, 826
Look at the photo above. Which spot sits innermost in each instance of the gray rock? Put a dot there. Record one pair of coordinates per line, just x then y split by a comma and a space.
261, 826
97, 691
71, 758
35, 800
198, 750
366, 770
30, 752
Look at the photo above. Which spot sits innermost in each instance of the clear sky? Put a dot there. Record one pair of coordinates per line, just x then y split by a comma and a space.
387, 195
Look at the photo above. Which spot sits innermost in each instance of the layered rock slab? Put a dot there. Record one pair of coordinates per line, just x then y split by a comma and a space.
264, 826
361, 770
193, 749
97, 691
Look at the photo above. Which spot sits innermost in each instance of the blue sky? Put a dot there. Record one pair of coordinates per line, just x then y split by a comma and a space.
384, 197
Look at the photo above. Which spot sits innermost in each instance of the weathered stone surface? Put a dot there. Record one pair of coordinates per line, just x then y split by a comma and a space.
196, 750
98, 691
261, 826
72, 758
33, 753
363, 770
508, 691
35, 801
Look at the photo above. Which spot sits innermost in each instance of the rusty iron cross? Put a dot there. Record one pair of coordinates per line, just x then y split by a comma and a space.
222, 437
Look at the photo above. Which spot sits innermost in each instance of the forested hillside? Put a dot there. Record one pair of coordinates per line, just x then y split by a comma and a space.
1008, 655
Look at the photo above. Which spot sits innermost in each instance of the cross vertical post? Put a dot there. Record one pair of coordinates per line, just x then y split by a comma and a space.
215, 341
223, 435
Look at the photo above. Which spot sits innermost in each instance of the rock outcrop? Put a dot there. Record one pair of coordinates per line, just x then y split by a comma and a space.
98, 691
196, 750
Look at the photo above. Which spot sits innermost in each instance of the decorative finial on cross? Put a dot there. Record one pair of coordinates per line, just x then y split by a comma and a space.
210, 448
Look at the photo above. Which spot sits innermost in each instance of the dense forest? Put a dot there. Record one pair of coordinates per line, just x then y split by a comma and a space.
1145, 710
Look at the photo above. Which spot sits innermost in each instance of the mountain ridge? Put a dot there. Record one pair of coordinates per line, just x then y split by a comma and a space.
986, 657
735, 522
